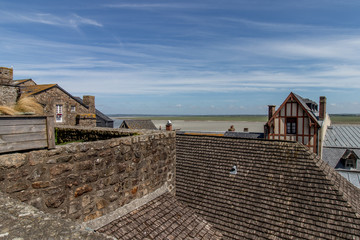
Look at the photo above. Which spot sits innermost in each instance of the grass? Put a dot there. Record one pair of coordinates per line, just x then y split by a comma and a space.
345, 119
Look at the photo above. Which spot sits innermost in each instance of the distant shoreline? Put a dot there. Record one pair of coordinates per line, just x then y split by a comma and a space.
335, 118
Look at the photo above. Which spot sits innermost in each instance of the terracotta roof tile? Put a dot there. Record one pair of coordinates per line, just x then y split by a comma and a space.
280, 191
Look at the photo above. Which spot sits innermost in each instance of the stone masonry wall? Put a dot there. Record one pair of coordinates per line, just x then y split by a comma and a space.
83, 181
8, 95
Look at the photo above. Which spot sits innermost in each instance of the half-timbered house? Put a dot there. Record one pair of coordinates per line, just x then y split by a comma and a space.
298, 119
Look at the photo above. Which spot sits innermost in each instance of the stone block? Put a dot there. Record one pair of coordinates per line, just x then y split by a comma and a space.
40, 184
85, 165
12, 160
81, 190
92, 216
55, 201
59, 169
17, 187
101, 204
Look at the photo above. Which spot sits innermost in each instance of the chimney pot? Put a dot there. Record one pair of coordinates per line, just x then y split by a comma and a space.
168, 126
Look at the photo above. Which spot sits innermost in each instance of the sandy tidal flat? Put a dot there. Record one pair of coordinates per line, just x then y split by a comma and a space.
212, 125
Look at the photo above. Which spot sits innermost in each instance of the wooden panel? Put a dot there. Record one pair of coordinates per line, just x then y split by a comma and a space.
23, 137
276, 127
22, 121
300, 125
294, 109
288, 109
300, 112
22, 129
282, 112
11, 147
25, 133
50, 123
282, 126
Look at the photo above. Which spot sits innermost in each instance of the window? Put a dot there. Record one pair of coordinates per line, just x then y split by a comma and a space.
350, 163
291, 125
73, 109
59, 113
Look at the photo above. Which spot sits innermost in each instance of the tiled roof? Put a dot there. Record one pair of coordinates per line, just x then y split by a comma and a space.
32, 90
161, 218
138, 124
17, 82
280, 191
244, 134
346, 136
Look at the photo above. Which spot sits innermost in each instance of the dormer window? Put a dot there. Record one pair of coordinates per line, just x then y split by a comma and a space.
291, 125
348, 160
350, 163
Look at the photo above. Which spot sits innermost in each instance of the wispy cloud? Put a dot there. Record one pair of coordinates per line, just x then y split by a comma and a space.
155, 5
72, 21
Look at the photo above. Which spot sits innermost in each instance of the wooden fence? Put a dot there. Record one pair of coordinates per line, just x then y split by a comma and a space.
26, 132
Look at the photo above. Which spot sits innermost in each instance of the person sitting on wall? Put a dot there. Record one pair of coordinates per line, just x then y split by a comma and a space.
231, 129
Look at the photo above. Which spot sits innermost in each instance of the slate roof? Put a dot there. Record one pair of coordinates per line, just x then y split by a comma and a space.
281, 190
161, 218
332, 155
303, 102
344, 136
138, 124
351, 175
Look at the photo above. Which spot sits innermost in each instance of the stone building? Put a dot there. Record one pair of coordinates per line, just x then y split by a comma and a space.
67, 109
58, 102
298, 119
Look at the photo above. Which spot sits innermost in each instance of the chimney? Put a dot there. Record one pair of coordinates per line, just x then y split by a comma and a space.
6, 76
90, 102
322, 110
168, 126
271, 110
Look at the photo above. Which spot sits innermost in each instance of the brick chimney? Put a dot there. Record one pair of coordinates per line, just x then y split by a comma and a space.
6, 76
271, 111
168, 126
322, 110
90, 102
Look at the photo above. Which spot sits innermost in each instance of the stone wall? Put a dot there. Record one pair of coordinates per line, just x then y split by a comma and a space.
83, 181
82, 134
8, 95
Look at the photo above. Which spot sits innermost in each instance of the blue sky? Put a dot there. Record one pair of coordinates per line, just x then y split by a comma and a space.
188, 57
